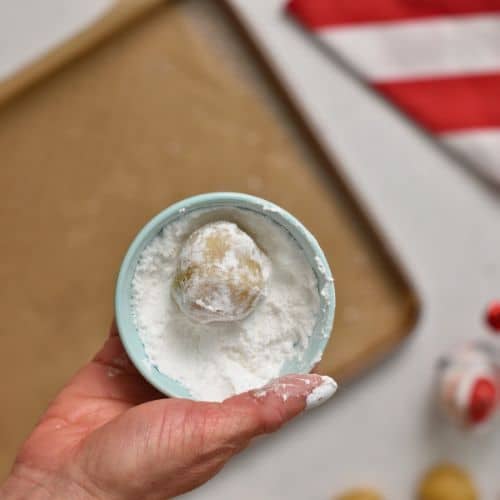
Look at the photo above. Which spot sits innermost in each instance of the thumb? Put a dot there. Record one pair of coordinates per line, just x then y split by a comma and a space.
217, 431
265, 410
171, 446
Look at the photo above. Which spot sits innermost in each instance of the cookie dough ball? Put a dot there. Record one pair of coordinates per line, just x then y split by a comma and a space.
360, 494
221, 274
447, 482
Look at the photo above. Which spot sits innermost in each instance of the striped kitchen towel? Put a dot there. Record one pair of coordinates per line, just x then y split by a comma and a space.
437, 60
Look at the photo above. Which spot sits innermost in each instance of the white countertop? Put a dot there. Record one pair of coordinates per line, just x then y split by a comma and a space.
30, 28
444, 225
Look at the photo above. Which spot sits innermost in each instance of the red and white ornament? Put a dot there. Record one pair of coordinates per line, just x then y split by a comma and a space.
493, 316
468, 387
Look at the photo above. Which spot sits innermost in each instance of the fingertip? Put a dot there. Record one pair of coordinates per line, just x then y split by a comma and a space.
321, 393
283, 399
298, 391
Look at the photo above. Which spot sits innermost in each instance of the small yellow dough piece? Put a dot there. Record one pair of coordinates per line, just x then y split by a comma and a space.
360, 494
221, 274
447, 482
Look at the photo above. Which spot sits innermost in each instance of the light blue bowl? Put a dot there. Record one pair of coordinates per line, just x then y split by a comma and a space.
304, 239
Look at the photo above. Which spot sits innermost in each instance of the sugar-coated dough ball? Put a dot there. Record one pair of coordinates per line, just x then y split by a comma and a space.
360, 494
221, 274
447, 482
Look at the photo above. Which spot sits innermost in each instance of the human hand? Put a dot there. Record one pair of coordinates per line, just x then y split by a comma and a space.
110, 435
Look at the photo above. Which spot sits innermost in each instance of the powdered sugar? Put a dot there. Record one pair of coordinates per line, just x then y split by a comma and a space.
216, 360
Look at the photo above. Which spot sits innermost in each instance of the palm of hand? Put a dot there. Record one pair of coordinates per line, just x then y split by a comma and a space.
109, 434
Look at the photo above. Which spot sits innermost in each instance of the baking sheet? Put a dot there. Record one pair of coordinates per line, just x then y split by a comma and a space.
93, 152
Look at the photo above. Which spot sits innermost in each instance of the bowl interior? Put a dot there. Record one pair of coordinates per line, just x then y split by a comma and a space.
311, 249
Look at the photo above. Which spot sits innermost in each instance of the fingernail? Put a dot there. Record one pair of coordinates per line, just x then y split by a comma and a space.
321, 393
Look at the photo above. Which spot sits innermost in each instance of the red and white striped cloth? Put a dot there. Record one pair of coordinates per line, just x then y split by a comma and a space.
438, 60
